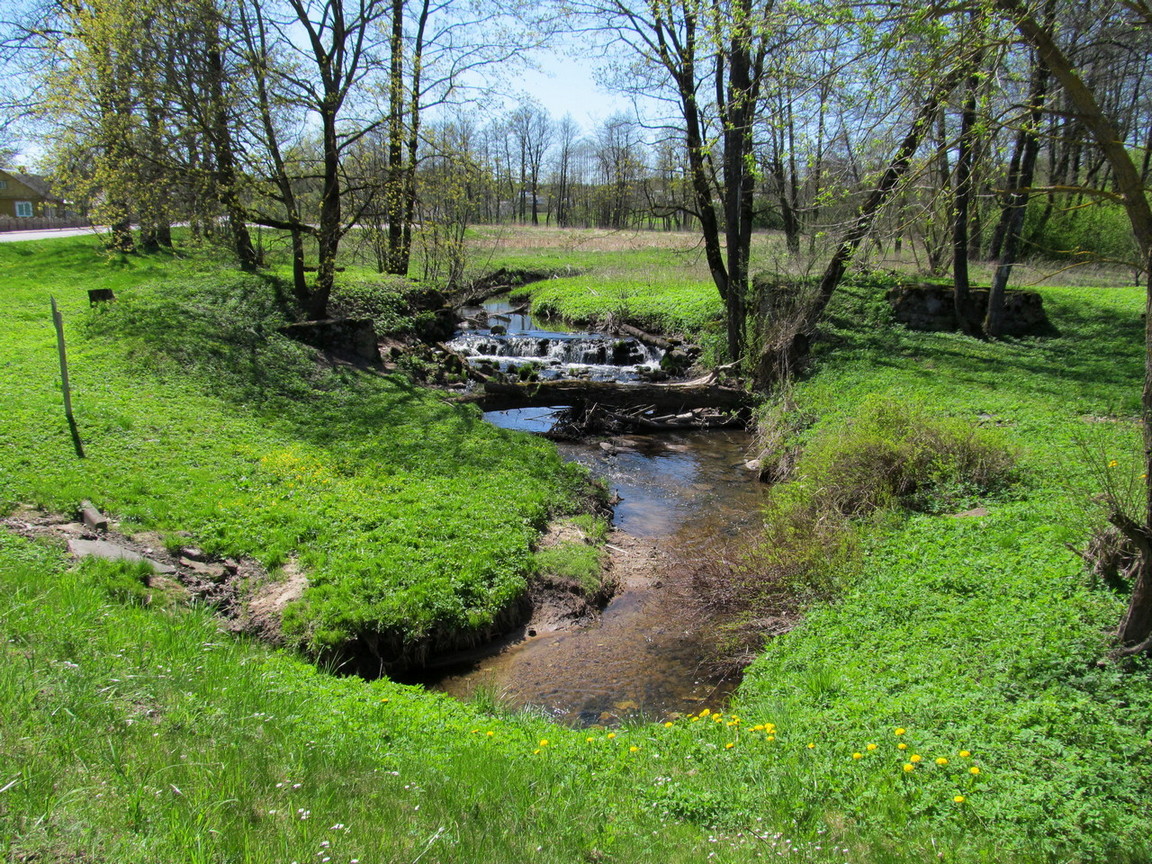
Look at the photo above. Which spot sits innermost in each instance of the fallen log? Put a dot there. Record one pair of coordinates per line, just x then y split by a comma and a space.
653, 339
677, 398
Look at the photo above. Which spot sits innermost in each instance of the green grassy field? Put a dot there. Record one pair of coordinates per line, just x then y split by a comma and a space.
412, 517
137, 733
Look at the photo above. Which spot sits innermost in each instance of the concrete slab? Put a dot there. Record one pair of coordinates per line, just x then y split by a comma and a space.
113, 552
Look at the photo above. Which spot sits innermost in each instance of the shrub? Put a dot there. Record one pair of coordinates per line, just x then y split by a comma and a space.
896, 455
1101, 230
889, 456
397, 307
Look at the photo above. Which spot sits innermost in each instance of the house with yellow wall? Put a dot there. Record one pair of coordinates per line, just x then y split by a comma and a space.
27, 196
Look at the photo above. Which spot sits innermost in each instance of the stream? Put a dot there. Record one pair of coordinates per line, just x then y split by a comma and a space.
680, 497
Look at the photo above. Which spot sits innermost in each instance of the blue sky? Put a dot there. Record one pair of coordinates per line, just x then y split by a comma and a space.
567, 85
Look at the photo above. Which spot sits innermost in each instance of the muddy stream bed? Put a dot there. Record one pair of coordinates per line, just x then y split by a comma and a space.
680, 498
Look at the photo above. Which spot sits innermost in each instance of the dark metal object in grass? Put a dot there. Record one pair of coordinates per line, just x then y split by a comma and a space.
59, 322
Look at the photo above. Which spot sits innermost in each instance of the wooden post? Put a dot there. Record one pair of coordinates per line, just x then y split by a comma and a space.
58, 320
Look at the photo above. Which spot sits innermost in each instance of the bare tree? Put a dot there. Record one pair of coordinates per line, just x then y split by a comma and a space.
321, 76
532, 128
567, 134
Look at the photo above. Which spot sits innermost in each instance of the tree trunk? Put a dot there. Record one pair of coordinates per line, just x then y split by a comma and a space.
1017, 205
395, 195
221, 136
663, 397
960, 214
1136, 628
865, 216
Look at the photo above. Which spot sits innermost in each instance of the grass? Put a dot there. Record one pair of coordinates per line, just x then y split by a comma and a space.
411, 517
133, 732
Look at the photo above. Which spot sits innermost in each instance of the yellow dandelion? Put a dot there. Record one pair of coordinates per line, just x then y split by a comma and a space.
901, 746
611, 735
474, 731
693, 719
959, 799
589, 739
975, 769
489, 733
759, 727
915, 757
731, 722
543, 742
705, 712
1112, 463
537, 750
900, 730
383, 701
870, 747
770, 727
729, 745
811, 746
857, 755
668, 724
941, 761
719, 718
633, 749
964, 754
771, 737
908, 766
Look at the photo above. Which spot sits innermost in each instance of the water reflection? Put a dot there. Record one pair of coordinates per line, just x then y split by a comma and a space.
678, 493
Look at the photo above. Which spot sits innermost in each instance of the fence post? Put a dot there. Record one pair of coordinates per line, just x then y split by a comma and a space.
58, 320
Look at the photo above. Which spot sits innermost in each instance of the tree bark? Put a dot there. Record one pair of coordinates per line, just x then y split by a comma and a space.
1136, 626
963, 199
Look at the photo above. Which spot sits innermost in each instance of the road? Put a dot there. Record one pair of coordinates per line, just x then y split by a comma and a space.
15, 236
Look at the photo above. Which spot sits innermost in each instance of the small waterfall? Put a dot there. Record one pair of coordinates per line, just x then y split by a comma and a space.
553, 354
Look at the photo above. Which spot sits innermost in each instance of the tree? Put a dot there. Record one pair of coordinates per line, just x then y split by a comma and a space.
532, 128
617, 148
1135, 631
93, 89
709, 59
314, 57
567, 134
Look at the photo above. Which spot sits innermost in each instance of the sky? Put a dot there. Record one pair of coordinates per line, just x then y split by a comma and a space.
567, 85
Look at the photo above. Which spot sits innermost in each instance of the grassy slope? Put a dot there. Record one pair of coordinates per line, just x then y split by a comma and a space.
976, 633
408, 514
138, 735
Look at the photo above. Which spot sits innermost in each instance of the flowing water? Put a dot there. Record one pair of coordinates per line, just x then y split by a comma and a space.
681, 496
500, 337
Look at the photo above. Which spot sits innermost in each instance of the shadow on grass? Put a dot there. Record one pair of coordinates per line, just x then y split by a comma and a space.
1097, 346
222, 328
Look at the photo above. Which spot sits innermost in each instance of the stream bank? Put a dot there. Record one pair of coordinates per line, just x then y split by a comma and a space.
680, 498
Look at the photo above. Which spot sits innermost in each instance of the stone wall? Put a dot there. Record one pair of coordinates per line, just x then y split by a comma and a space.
346, 337
930, 307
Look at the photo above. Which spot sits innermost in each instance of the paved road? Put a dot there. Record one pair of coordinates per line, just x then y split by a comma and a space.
14, 236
